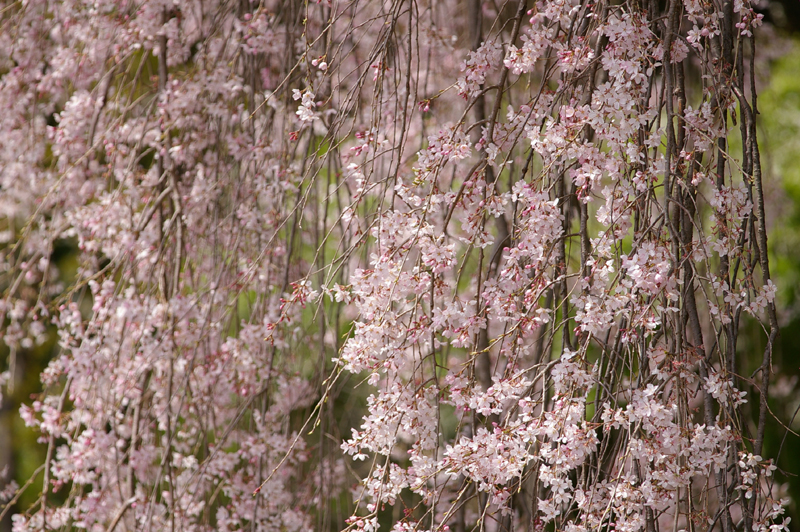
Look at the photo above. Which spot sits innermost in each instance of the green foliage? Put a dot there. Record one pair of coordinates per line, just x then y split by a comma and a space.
779, 107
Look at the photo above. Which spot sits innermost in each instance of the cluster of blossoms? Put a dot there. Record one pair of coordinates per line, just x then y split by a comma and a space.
305, 111
543, 303
152, 141
478, 64
607, 229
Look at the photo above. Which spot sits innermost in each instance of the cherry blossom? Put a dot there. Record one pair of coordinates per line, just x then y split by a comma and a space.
357, 264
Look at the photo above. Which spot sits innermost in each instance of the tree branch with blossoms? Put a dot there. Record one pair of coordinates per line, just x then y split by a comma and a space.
531, 231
